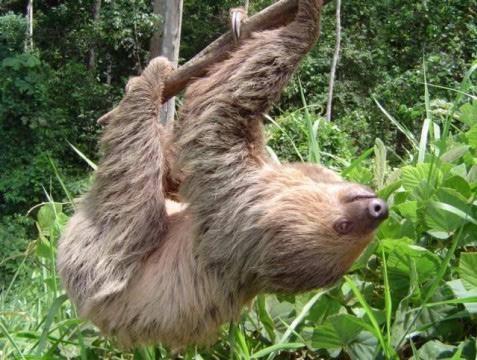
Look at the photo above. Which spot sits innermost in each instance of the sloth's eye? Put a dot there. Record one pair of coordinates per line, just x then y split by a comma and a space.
343, 226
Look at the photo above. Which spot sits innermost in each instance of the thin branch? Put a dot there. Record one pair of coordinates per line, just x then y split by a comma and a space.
334, 64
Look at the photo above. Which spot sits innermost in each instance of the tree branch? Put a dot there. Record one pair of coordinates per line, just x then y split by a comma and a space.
276, 15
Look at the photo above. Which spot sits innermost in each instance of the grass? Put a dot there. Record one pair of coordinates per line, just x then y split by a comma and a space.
412, 293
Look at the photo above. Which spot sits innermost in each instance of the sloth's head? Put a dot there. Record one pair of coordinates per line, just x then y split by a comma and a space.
319, 225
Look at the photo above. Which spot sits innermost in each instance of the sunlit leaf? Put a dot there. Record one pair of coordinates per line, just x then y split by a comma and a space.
460, 292
412, 176
455, 153
47, 215
468, 269
468, 113
435, 349
408, 210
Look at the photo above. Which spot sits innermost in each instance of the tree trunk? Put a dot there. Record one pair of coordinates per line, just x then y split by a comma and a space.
96, 15
166, 42
335, 61
29, 29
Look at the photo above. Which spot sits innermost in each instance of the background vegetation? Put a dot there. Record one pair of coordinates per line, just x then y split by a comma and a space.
404, 122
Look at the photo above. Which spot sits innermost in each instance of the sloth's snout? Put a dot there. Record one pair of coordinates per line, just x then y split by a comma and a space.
378, 209
363, 212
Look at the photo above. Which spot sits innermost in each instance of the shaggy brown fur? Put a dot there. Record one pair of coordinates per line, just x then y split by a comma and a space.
147, 269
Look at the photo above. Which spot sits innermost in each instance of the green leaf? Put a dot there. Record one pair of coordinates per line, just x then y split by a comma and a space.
460, 185
468, 269
439, 220
468, 113
413, 176
363, 347
472, 176
348, 327
47, 215
386, 192
453, 210
346, 331
463, 296
44, 248
455, 153
435, 349
471, 136
405, 258
376, 330
325, 307
408, 210
326, 337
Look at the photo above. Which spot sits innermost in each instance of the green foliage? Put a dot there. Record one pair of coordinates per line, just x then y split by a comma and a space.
14, 239
383, 47
12, 34
289, 137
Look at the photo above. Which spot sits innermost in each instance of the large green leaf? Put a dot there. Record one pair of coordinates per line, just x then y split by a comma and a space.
412, 176
403, 257
450, 211
348, 327
468, 113
460, 292
458, 184
326, 337
47, 215
435, 349
348, 332
455, 153
324, 307
363, 347
408, 210
468, 269
472, 136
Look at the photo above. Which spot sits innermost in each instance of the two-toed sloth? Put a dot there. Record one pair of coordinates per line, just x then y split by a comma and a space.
147, 269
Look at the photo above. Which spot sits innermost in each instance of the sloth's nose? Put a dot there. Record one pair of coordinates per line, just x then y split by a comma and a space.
378, 209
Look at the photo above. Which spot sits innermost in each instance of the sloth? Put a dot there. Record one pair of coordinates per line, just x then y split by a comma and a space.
182, 228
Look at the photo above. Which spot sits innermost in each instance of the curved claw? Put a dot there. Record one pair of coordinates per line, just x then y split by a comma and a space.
237, 15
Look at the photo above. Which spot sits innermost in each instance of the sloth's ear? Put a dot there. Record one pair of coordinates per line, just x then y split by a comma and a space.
106, 118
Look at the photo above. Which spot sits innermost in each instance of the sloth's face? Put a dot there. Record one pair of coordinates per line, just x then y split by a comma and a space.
320, 225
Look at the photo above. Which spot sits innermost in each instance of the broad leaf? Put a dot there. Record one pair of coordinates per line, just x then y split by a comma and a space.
468, 269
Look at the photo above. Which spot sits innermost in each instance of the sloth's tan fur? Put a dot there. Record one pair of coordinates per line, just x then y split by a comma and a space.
147, 269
